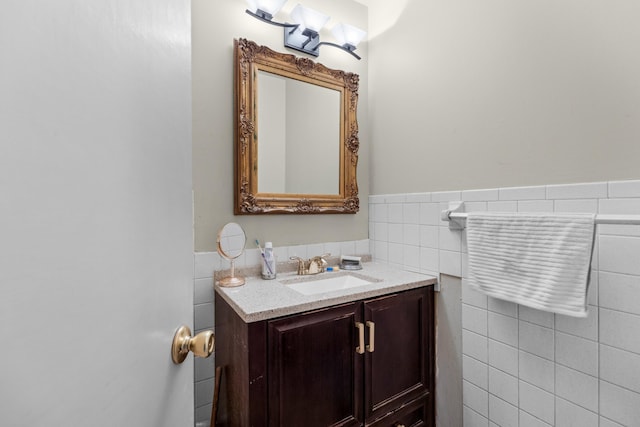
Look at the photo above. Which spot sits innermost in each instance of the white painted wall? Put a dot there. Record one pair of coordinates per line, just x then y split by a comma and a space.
96, 261
468, 94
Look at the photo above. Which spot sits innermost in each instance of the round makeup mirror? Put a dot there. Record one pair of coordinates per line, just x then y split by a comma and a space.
231, 240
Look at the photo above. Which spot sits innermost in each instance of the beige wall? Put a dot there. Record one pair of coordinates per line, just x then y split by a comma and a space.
215, 25
467, 94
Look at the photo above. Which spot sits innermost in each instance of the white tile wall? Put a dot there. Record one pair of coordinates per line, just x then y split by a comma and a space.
528, 420
478, 373
568, 414
536, 340
501, 328
577, 353
475, 398
480, 195
537, 402
475, 346
621, 292
596, 190
523, 193
620, 330
472, 297
624, 189
604, 422
537, 371
535, 206
502, 412
576, 387
206, 263
620, 367
503, 307
581, 327
502, 356
474, 319
474, 419
503, 386
619, 404
567, 371
538, 317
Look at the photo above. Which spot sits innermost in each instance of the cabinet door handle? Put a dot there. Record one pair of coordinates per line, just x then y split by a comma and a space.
360, 348
372, 336
398, 425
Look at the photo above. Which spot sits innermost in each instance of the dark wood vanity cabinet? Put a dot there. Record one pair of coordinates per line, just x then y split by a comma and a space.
315, 368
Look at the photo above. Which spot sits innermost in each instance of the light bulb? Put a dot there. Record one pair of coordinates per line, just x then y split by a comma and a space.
348, 34
270, 6
309, 18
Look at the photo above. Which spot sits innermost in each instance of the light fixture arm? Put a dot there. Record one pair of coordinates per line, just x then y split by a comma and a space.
347, 48
267, 17
305, 41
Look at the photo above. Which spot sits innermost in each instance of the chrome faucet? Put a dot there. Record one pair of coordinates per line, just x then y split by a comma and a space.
314, 265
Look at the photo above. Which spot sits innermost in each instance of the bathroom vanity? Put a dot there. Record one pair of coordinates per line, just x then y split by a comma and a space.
358, 356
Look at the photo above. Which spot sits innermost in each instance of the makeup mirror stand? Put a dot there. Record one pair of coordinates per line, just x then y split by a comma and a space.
231, 281
231, 242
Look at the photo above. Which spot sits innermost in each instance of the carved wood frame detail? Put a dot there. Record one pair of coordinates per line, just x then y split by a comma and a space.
249, 58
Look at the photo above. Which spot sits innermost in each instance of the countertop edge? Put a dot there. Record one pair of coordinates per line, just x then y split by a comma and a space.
323, 303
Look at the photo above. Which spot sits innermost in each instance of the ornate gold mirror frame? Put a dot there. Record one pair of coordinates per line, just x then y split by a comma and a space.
249, 59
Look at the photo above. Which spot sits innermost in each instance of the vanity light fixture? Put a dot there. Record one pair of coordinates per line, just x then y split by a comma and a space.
304, 34
305, 37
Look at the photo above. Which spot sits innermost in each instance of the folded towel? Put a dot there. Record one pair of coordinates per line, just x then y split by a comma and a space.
542, 261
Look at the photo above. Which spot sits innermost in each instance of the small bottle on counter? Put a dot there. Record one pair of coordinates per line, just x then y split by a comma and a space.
268, 262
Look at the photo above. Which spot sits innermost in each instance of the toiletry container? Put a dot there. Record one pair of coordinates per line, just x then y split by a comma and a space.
269, 262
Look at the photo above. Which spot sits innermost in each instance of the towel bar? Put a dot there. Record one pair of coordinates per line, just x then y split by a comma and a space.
452, 215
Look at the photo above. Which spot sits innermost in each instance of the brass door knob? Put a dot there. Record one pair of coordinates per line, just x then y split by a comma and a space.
201, 345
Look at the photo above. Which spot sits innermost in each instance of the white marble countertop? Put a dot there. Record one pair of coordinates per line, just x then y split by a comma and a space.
260, 299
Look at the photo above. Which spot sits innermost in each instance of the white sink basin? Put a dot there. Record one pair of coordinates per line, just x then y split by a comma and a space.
322, 284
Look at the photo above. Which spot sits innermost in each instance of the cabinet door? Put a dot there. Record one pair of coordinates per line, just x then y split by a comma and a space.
413, 414
315, 374
400, 368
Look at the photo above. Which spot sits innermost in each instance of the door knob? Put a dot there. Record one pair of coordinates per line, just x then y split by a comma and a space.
201, 345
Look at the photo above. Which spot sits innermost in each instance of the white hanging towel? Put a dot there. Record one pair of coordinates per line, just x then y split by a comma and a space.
542, 261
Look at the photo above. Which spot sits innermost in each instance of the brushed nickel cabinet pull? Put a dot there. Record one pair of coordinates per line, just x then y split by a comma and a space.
372, 336
360, 348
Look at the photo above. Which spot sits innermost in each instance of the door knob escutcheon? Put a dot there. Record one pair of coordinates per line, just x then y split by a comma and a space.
201, 345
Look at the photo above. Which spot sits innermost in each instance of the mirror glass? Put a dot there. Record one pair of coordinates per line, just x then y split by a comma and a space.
296, 145
299, 136
231, 241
